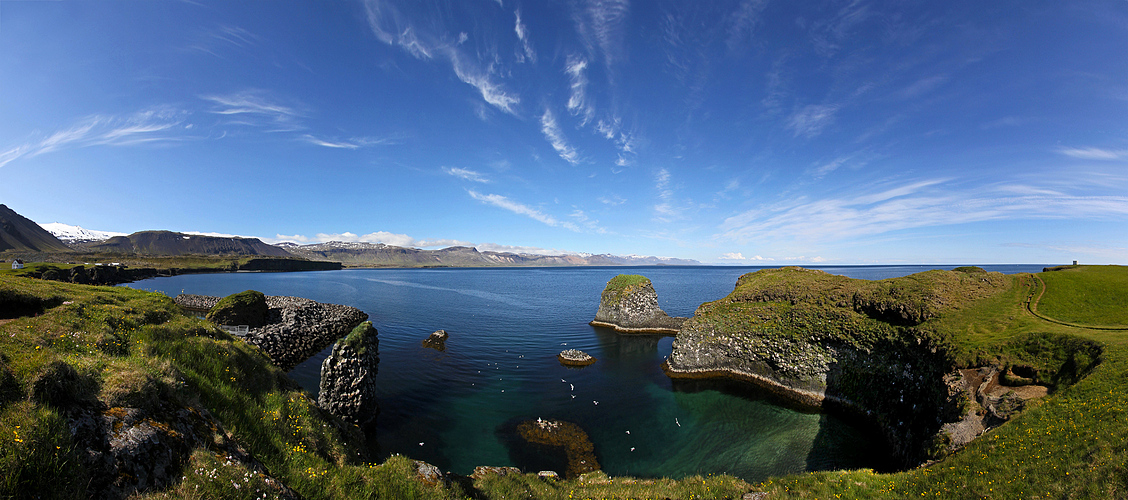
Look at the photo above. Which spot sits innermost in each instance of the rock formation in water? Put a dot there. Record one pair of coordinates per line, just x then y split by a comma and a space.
629, 304
348, 376
826, 340
437, 340
557, 434
573, 357
295, 328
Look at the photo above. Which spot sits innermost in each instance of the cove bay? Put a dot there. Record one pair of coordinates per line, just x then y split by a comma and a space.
458, 408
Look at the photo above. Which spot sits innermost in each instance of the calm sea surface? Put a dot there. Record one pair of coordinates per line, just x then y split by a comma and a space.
457, 409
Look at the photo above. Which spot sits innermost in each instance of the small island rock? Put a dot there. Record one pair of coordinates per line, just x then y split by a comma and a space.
573, 357
437, 340
629, 304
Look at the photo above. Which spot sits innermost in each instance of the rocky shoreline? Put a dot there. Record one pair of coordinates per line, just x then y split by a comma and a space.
295, 329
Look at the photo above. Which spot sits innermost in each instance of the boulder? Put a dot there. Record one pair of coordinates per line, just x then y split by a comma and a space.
243, 308
348, 376
629, 304
437, 340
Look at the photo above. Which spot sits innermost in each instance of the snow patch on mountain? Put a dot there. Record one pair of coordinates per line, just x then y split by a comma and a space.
77, 234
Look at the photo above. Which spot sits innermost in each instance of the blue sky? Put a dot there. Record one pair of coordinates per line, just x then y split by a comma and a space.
750, 132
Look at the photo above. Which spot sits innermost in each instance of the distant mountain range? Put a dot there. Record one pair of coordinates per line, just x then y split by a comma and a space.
379, 254
21, 234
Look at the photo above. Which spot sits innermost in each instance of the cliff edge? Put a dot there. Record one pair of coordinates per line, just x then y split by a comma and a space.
629, 304
827, 340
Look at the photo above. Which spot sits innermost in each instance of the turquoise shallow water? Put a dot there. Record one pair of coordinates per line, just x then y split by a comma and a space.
456, 409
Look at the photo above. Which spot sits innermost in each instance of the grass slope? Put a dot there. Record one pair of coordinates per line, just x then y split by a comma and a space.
1072, 444
128, 348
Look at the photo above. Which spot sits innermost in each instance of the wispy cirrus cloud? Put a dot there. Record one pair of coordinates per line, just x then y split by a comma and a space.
556, 138
578, 103
217, 40
1095, 153
467, 174
919, 204
156, 125
351, 143
810, 120
521, 209
522, 32
393, 28
600, 25
255, 108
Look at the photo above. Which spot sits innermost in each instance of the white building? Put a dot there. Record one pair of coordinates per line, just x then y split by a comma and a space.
17, 264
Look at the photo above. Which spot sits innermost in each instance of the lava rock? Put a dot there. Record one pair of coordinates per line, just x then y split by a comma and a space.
348, 376
629, 304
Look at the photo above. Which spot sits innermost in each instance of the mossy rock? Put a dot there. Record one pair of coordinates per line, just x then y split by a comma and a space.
243, 308
359, 338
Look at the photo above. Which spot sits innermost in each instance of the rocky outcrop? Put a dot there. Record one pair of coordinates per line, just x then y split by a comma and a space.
437, 340
243, 308
295, 328
566, 436
348, 376
573, 357
629, 304
985, 403
831, 341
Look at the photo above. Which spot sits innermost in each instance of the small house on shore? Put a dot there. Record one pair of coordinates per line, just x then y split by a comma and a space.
17, 264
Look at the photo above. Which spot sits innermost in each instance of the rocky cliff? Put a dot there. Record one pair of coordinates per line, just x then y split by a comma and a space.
629, 304
295, 328
831, 341
348, 376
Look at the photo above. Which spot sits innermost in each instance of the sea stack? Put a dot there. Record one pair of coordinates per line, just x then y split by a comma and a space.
348, 376
629, 304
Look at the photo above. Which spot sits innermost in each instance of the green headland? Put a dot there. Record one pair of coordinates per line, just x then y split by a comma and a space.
245, 430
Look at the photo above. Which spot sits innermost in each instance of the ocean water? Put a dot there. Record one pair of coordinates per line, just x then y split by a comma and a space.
457, 409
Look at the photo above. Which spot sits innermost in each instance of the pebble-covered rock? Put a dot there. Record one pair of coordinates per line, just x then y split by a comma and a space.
573, 357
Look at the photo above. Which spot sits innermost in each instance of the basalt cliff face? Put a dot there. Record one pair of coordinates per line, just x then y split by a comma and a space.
348, 376
295, 328
629, 304
831, 341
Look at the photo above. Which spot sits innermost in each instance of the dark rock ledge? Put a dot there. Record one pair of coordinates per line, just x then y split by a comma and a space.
295, 328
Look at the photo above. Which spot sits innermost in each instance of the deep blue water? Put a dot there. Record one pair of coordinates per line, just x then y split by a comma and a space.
506, 326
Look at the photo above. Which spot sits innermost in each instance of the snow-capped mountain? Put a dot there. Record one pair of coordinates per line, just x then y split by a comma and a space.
77, 234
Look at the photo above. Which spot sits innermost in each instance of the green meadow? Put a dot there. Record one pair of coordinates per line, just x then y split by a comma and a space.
66, 347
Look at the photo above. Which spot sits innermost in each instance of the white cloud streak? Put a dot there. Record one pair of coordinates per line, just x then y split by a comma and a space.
1095, 153
523, 35
149, 126
556, 137
811, 119
578, 103
600, 25
522, 209
390, 27
919, 204
466, 174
